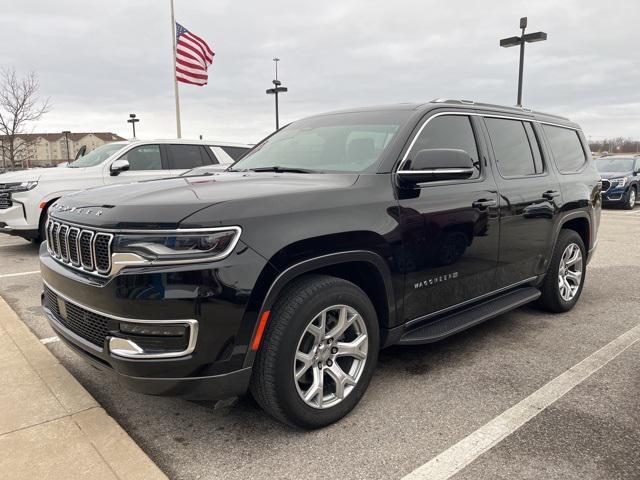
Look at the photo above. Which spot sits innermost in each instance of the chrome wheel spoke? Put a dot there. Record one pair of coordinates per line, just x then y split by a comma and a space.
307, 362
574, 276
341, 379
315, 394
356, 348
318, 331
345, 320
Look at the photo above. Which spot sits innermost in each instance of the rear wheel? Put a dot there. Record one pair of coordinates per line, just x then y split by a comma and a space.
565, 277
318, 353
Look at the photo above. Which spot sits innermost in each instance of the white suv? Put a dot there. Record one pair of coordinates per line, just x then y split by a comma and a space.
25, 195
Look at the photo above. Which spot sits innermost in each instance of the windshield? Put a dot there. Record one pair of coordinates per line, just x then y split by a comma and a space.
344, 142
96, 156
614, 164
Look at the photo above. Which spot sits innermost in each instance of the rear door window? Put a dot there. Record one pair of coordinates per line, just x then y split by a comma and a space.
515, 147
566, 148
183, 157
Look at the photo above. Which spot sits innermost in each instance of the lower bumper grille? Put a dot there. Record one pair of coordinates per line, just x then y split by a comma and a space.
92, 327
5, 201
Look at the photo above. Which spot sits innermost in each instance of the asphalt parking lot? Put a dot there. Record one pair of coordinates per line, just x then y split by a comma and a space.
422, 401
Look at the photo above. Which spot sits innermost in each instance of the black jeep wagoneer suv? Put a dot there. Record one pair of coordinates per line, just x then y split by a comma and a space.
336, 236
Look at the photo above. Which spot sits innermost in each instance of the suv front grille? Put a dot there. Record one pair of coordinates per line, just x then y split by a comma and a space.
606, 185
83, 249
86, 324
5, 201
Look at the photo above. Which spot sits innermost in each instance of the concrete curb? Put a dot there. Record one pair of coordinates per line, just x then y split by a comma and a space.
50, 426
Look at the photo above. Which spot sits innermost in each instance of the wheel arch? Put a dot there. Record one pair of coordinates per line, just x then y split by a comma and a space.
365, 268
580, 223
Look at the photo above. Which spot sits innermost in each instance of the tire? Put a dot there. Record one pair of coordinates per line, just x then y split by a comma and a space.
630, 198
554, 297
297, 311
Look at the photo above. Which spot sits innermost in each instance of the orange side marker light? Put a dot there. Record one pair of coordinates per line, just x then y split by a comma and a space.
260, 330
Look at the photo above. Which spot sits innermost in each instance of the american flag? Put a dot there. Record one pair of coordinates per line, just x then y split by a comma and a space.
193, 57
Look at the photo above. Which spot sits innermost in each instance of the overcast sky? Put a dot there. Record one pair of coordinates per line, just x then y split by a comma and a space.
98, 61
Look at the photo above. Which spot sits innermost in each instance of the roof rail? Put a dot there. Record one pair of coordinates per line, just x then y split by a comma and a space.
493, 105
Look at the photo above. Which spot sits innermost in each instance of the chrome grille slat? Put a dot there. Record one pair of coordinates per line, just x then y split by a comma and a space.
86, 244
74, 255
55, 245
64, 243
83, 249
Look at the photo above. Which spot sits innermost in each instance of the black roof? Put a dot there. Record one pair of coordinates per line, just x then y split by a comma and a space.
544, 117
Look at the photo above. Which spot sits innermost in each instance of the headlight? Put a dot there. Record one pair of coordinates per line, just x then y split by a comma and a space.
20, 186
213, 244
619, 182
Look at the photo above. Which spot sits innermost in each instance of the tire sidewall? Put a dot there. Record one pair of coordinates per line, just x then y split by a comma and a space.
309, 417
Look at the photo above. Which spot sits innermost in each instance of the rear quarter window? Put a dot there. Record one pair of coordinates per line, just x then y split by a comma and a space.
566, 148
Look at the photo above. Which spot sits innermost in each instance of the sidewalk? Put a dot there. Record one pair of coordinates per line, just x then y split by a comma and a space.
50, 427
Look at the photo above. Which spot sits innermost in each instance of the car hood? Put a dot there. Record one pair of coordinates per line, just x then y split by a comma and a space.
608, 175
40, 174
164, 203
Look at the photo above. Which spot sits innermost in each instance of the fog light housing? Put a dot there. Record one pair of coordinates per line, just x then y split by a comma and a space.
153, 330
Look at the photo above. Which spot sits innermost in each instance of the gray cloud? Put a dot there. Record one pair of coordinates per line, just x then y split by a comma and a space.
99, 61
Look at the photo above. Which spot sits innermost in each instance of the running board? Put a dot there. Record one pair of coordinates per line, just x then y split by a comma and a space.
459, 321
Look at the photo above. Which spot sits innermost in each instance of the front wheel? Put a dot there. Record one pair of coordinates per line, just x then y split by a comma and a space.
631, 197
565, 277
318, 353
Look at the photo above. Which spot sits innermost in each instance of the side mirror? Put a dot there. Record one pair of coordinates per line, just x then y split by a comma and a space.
119, 166
436, 164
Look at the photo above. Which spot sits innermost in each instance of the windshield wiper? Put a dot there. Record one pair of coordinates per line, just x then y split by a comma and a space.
278, 169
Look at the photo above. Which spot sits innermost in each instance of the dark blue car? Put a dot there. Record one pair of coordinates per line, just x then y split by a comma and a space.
620, 179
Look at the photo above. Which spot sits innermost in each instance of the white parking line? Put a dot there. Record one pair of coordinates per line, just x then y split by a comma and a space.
631, 213
458, 456
12, 244
49, 340
6, 275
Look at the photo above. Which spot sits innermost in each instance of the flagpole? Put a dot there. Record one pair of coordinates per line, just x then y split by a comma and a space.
175, 78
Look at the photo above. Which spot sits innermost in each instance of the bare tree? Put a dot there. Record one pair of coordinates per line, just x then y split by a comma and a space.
20, 105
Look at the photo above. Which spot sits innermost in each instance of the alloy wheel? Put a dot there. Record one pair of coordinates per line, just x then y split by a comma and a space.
570, 272
330, 356
632, 198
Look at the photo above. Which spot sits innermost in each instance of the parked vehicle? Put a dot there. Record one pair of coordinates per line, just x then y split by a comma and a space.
336, 236
620, 179
25, 196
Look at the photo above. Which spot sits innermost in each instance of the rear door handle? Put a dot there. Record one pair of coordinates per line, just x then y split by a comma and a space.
482, 204
551, 194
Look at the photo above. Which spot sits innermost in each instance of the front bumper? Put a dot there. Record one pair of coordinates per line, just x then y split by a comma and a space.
615, 195
13, 221
215, 296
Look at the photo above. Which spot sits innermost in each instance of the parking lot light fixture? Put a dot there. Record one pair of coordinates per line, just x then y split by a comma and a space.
521, 40
277, 89
132, 120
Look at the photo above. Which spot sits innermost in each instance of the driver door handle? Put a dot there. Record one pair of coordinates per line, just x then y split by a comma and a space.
483, 203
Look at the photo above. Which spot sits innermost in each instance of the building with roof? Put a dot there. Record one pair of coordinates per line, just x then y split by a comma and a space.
50, 149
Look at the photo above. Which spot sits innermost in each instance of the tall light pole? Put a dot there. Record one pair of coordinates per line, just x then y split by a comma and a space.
66, 140
521, 40
277, 88
132, 120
